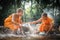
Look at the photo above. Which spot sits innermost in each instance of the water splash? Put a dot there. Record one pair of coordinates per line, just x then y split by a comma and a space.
29, 33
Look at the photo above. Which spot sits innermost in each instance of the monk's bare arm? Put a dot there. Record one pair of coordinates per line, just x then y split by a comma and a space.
37, 21
13, 20
51, 25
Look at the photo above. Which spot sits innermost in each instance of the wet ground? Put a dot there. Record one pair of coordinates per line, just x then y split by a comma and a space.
5, 36
22, 37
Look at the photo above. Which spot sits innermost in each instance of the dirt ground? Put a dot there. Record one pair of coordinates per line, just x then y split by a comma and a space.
30, 38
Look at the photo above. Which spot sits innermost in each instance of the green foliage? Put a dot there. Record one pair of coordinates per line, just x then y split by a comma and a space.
33, 12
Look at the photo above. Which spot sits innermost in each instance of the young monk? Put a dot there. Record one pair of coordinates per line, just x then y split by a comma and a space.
14, 21
46, 23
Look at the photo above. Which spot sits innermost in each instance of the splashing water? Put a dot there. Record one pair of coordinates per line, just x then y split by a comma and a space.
29, 31
27, 25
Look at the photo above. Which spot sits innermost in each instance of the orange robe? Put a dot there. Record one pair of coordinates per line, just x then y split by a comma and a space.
45, 25
9, 24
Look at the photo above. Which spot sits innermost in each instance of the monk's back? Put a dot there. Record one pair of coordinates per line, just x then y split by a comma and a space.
47, 21
8, 21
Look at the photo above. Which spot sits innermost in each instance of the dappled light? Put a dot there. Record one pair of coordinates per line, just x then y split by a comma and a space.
31, 10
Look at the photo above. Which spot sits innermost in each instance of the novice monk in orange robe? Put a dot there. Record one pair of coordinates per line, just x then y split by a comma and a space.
13, 22
46, 23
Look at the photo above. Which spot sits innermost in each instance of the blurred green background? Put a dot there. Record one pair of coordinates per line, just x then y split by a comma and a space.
32, 9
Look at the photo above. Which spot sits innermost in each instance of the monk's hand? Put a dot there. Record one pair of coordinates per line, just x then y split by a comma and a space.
20, 25
47, 32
